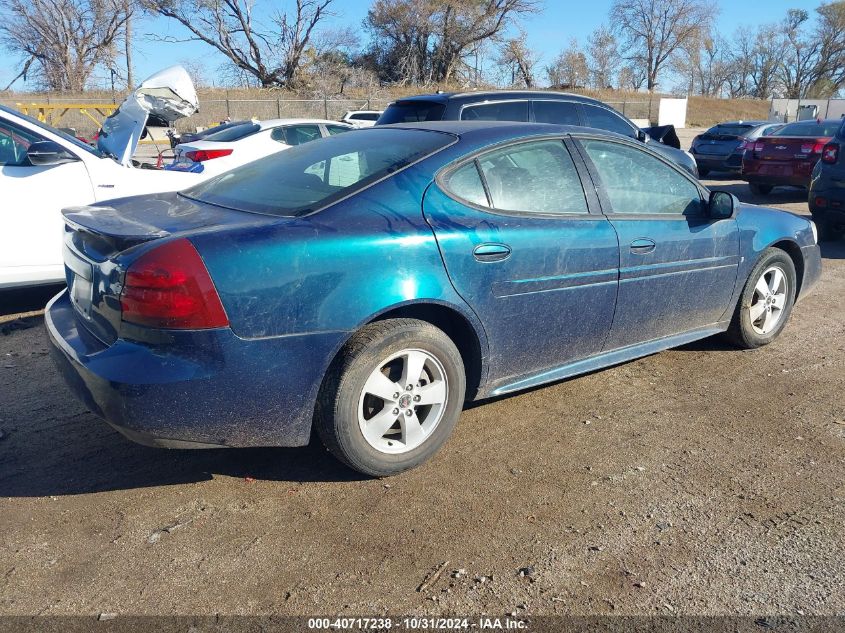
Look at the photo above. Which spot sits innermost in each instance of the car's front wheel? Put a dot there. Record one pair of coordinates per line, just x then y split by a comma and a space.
760, 190
766, 301
392, 397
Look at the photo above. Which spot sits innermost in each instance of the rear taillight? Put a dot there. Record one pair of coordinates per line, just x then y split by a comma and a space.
815, 147
169, 287
200, 155
744, 144
758, 146
830, 153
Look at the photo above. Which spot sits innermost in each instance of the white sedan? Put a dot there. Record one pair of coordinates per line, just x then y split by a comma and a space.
361, 118
43, 170
249, 141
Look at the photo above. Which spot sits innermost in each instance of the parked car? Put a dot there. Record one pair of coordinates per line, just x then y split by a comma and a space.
722, 146
43, 169
787, 157
538, 106
189, 137
827, 189
372, 282
249, 141
361, 118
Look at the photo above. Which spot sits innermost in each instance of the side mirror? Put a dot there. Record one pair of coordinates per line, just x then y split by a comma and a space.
642, 136
722, 205
46, 153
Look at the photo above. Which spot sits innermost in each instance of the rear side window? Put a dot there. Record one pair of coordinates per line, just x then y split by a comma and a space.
501, 111
310, 176
559, 112
533, 177
295, 134
336, 129
234, 133
604, 119
638, 183
412, 112
465, 183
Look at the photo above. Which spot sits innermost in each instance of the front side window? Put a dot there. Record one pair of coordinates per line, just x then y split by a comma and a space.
604, 119
14, 143
639, 183
310, 176
501, 111
533, 177
559, 112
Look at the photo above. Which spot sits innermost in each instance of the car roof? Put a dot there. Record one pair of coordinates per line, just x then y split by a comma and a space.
271, 123
751, 123
494, 129
486, 95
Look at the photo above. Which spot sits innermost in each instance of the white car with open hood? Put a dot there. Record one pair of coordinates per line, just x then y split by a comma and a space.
43, 170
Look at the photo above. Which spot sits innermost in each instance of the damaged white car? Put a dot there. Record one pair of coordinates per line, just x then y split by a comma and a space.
43, 170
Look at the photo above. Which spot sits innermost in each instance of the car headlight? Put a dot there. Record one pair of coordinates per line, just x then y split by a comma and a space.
815, 232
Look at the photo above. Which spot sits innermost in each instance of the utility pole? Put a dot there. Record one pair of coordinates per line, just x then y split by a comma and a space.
130, 79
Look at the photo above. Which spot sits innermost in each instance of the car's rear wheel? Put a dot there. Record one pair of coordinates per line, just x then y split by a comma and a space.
766, 301
392, 397
760, 190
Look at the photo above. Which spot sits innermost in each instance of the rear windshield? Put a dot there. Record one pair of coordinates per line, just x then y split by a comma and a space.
234, 133
365, 116
810, 128
729, 130
312, 175
412, 112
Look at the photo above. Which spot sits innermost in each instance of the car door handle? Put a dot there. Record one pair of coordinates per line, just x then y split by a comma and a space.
642, 246
491, 252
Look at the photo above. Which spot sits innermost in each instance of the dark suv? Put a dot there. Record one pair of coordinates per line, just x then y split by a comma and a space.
827, 188
520, 105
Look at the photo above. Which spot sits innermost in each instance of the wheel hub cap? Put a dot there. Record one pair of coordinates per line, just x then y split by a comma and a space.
769, 300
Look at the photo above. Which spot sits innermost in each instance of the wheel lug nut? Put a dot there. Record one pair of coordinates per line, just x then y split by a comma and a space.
395, 395
395, 411
417, 398
408, 412
409, 388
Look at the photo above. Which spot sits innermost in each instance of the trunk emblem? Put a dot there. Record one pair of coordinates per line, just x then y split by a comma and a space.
780, 146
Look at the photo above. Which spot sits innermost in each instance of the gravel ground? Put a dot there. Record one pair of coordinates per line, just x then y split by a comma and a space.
702, 480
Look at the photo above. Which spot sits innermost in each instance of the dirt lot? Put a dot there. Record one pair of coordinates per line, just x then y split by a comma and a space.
702, 480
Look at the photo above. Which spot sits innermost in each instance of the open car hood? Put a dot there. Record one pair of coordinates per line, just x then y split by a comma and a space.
168, 94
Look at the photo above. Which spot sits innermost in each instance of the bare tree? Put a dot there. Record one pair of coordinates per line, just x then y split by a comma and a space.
631, 77
62, 42
602, 57
519, 61
653, 31
272, 54
569, 69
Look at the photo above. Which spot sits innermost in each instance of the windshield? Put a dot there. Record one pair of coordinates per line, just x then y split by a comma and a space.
312, 175
234, 132
411, 112
64, 135
810, 128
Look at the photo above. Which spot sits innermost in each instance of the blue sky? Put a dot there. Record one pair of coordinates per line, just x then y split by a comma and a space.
547, 32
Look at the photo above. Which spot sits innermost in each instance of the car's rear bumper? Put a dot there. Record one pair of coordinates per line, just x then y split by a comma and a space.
732, 163
201, 389
775, 181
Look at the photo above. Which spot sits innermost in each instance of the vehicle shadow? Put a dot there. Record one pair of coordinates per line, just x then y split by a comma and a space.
19, 300
80, 454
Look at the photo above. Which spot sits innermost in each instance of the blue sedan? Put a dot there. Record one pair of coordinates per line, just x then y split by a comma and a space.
369, 284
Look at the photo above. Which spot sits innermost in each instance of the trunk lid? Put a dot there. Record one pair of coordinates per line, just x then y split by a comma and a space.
788, 148
98, 245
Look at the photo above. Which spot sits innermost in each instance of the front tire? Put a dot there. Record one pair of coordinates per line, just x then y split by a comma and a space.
766, 301
392, 397
760, 190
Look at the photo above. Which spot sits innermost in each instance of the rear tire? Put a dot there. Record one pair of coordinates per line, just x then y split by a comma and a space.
766, 301
760, 190
392, 397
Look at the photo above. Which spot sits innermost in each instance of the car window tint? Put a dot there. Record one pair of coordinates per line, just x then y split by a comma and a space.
501, 111
234, 133
466, 183
536, 177
560, 112
729, 130
604, 119
295, 134
14, 142
336, 129
365, 116
637, 182
810, 128
412, 112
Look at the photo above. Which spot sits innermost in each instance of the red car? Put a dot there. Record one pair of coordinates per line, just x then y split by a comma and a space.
788, 157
